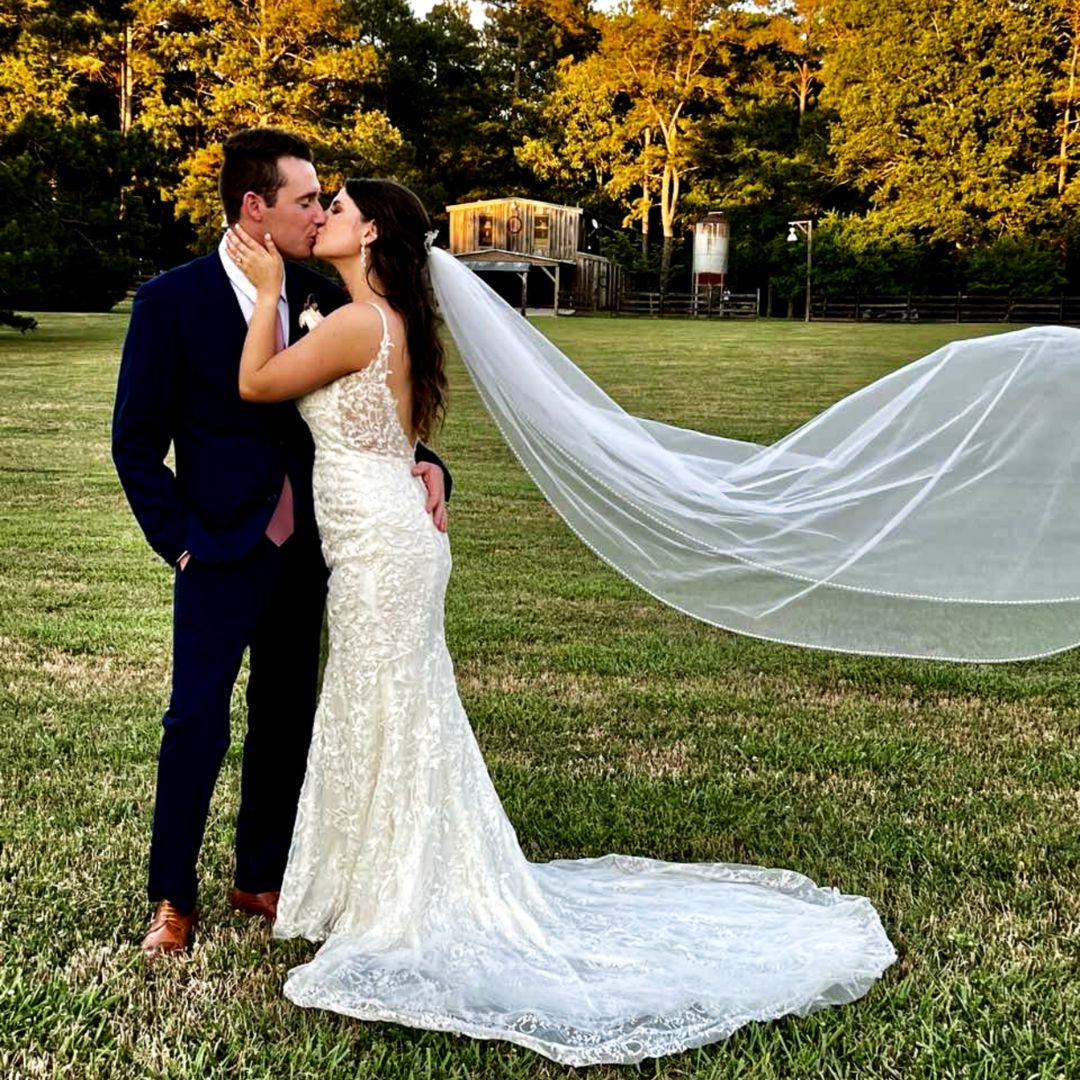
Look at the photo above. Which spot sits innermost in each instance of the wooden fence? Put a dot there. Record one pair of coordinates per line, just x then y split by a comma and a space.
957, 307
715, 303
710, 303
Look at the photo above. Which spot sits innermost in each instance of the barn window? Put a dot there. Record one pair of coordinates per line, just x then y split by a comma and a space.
487, 230
541, 232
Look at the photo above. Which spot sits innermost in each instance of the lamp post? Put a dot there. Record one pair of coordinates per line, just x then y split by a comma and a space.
806, 227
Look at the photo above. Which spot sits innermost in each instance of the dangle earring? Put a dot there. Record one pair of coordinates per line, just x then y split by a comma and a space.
363, 257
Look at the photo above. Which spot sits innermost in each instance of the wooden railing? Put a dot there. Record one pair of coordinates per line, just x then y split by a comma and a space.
956, 307
711, 303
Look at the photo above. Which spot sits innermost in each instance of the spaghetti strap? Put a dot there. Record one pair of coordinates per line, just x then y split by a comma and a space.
385, 325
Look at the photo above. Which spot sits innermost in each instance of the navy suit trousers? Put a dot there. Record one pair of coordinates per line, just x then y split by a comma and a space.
270, 602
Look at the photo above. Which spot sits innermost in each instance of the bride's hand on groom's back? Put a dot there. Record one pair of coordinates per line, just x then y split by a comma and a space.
262, 266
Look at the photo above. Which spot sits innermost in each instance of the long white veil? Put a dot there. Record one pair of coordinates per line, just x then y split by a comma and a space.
934, 514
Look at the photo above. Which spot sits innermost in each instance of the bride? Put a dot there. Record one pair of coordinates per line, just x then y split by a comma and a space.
403, 863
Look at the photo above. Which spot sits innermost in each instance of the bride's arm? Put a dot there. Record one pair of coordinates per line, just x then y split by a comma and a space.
345, 341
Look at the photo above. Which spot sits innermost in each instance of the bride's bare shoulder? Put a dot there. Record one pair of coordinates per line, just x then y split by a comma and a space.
349, 337
366, 317
356, 314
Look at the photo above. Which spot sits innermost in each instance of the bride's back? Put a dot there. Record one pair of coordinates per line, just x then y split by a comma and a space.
368, 410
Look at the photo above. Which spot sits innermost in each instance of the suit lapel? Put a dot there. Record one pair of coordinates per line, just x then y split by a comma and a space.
220, 308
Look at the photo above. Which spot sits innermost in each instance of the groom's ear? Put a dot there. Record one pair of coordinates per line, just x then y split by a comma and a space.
255, 205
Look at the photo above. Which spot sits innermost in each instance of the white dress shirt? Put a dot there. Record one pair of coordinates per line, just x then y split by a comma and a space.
246, 293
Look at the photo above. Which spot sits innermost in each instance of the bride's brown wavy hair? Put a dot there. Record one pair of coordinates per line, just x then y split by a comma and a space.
399, 259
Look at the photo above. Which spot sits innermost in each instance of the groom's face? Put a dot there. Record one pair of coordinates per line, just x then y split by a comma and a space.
296, 215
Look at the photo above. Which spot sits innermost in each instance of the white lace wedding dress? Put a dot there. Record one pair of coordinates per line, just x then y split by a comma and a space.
404, 864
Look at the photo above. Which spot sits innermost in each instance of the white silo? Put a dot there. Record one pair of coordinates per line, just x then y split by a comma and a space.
712, 237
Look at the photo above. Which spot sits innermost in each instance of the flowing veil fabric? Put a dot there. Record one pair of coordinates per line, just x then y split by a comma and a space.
934, 513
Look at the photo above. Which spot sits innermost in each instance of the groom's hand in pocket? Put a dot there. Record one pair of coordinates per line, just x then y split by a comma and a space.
433, 479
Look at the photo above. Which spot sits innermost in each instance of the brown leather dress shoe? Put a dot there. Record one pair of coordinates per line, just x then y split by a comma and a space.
262, 904
170, 932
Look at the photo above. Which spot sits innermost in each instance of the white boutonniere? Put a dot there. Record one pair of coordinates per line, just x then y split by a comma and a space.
311, 316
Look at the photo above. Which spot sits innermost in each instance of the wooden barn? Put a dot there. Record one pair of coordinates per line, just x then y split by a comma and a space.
529, 251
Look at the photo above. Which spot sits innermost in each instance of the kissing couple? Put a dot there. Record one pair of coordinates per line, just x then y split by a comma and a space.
367, 821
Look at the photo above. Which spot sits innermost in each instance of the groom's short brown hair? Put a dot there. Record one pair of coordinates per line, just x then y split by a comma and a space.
250, 164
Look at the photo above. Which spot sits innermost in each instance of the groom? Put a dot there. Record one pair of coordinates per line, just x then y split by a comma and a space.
236, 522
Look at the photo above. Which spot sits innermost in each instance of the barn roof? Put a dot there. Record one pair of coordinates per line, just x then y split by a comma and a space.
499, 259
512, 199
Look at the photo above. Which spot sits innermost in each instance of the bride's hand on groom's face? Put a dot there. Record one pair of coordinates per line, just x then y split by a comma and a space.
262, 266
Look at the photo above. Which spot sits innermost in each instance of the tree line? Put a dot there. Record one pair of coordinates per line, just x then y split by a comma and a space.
934, 143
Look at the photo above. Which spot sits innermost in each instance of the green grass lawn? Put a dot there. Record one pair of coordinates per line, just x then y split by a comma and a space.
947, 794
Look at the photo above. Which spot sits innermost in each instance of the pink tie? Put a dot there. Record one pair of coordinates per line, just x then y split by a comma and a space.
281, 524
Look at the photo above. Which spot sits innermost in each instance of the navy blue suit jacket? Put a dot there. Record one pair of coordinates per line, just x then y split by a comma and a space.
178, 385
